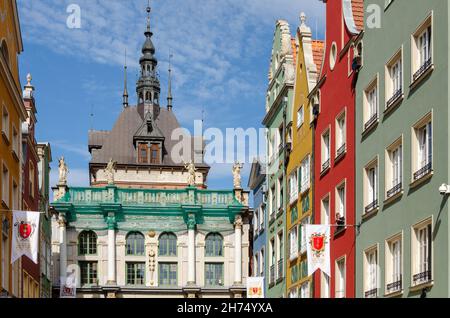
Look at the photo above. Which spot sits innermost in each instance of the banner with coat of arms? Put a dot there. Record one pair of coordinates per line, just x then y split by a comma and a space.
25, 237
255, 287
318, 248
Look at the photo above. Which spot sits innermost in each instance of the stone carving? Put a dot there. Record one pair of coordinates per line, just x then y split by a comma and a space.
152, 265
238, 222
190, 167
61, 220
191, 222
289, 73
63, 171
110, 171
286, 45
237, 167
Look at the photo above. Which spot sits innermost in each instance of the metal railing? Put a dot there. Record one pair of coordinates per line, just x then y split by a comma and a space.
280, 269
371, 293
341, 150
325, 165
272, 275
394, 98
423, 171
396, 189
372, 206
422, 69
395, 286
422, 277
372, 120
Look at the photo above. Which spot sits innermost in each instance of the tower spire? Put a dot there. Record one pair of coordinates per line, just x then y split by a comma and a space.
125, 88
169, 90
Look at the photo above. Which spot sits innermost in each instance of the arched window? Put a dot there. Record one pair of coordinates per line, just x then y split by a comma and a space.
141, 98
87, 243
167, 245
214, 244
4, 51
135, 243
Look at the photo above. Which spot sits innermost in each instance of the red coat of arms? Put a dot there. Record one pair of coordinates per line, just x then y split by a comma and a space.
318, 242
25, 230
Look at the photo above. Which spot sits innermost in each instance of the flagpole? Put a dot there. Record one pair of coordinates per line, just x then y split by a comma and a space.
4, 211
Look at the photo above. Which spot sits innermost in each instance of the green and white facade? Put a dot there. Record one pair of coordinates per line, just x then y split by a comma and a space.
403, 153
277, 120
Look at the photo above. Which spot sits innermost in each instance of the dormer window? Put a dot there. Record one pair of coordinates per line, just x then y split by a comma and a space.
143, 153
154, 153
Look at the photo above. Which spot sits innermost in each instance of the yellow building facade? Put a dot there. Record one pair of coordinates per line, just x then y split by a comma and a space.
12, 111
299, 168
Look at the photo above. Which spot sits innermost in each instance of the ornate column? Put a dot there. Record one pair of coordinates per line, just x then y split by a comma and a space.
191, 250
62, 249
111, 220
238, 250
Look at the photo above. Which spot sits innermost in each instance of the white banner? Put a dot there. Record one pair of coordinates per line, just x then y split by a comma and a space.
25, 238
68, 286
318, 248
255, 287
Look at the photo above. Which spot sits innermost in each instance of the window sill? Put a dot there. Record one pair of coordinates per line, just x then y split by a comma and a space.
422, 286
422, 77
393, 105
421, 180
369, 214
15, 156
5, 138
303, 191
340, 156
394, 294
324, 171
293, 201
339, 231
394, 197
293, 258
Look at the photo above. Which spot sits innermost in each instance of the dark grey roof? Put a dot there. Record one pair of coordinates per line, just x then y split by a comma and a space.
97, 138
118, 143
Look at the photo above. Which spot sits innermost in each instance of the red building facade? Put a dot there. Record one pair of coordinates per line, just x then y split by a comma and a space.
30, 187
334, 144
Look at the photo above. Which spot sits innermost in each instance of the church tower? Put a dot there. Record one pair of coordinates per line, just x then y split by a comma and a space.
148, 87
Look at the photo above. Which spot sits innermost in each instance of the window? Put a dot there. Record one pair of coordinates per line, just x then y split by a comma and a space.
340, 279
370, 113
371, 187
214, 274
272, 261
167, 245
325, 285
325, 150
15, 197
214, 245
333, 55
5, 258
280, 193
256, 265
304, 290
168, 274
155, 154
303, 240
262, 262
88, 272
394, 80
422, 50
15, 142
394, 265
262, 215
135, 243
135, 273
422, 253
280, 251
422, 148
4, 51
371, 273
293, 243
143, 153
256, 222
31, 177
87, 243
340, 203
300, 117
394, 169
273, 204
5, 123
293, 187
293, 293
340, 135
305, 173
5, 185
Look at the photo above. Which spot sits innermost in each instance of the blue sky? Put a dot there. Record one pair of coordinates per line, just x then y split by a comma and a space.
221, 59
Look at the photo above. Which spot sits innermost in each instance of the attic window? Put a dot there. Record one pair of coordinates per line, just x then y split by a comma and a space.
155, 154
143, 153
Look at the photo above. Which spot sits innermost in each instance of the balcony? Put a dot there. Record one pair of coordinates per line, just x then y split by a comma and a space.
371, 293
371, 122
280, 270
393, 100
371, 207
272, 275
395, 286
395, 190
422, 278
423, 172
422, 70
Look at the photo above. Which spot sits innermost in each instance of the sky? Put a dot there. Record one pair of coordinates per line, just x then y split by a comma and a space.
221, 53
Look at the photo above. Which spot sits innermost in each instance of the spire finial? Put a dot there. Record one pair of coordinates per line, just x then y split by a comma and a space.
149, 10
169, 93
125, 89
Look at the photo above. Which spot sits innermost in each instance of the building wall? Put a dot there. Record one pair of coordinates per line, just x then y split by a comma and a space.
399, 22
259, 235
336, 96
10, 98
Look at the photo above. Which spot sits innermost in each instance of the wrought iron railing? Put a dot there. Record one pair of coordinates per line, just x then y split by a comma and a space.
372, 206
422, 69
371, 293
423, 171
272, 275
395, 286
396, 189
423, 277
372, 120
394, 98
280, 269
325, 165
341, 150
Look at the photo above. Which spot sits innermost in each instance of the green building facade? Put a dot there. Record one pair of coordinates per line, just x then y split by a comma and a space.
402, 132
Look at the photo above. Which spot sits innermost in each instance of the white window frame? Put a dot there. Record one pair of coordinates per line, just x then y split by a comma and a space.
393, 80
417, 60
371, 108
293, 243
394, 167
305, 174
6, 184
416, 152
324, 219
341, 203
371, 192
326, 148
293, 186
394, 270
371, 271
417, 253
6, 120
341, 132
303, 241
300, 116
305, 290
340, 291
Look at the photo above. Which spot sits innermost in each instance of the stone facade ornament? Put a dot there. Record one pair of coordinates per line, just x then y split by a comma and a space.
190, 167
238, 222
237, 167
63, 171
110, 171
152, 265
61, 221
191, 222
286, 45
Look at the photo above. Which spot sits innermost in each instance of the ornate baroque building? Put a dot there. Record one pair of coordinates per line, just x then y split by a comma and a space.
147, 226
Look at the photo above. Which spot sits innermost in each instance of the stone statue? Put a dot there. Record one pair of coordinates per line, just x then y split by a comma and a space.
237, 167
191, 222
238, 221
110, 170
63, 171
190, 167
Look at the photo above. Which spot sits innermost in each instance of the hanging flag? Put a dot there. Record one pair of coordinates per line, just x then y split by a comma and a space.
68, 286
255, 287
318, 248
25, 238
